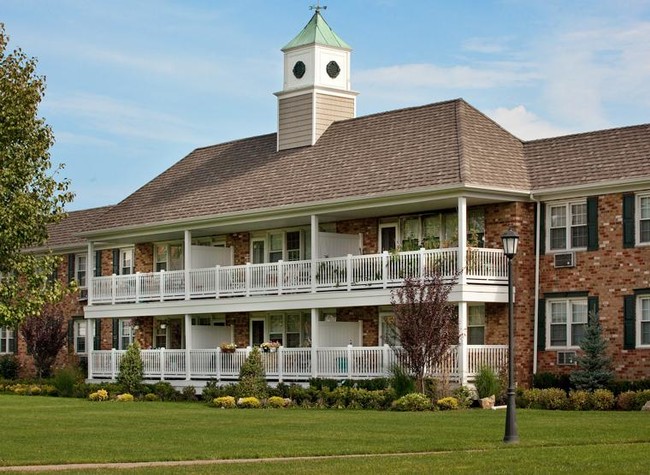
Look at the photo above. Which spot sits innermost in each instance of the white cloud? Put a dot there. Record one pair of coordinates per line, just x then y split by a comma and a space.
524, 124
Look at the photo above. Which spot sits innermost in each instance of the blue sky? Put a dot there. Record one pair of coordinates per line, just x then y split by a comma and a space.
133, 86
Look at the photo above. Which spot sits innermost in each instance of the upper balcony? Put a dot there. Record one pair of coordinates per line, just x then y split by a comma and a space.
343, 274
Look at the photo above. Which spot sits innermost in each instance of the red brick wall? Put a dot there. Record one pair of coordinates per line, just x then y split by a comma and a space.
369, 317
610, 273
368, 227
143, 257
241, 244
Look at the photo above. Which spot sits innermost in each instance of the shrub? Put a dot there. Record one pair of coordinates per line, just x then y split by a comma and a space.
412, 402
65, 380
224, 402
165, 391
302, 396
603, 400
626, 401
189, 393
447, 403
252, 378
249, 403
131, 371
100, 395
151, 397
579, 400
8, 367
642, 397
551, 380
20, 389
551, 398
278, 402
34, 390
126, 397
373, 384
487, 383
401, 382
464, 396
323, 383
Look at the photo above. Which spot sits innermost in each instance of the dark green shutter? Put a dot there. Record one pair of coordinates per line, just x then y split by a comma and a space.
592, 223
628, 221
116, 333
98, 263
70, 268
13, 343
97, 342
629, 322
592, 307
541, 324
71, 334
116, 261
542, 228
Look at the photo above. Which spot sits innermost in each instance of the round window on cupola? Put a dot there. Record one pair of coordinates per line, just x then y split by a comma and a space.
333, 69
299, 69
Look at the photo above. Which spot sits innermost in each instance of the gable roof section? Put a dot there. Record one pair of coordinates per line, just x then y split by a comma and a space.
621, 154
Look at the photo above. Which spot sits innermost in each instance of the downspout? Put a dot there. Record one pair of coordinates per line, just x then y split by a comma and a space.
537, 254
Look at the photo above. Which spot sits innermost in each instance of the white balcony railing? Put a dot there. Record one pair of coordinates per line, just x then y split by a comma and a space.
338, 273
292, 364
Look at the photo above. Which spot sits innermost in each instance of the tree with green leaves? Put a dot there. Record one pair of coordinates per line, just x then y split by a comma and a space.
425, 322
31, 196
595, 367
131, 370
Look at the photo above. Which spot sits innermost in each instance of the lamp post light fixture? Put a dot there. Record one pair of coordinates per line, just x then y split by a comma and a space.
510, 240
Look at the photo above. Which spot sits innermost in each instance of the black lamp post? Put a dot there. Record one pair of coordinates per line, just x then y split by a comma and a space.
510, 240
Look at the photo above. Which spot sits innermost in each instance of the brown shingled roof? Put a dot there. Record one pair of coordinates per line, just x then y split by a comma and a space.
606, 155
438, 144
66, 232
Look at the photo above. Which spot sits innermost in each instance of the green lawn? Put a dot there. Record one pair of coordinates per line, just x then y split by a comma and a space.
43, 430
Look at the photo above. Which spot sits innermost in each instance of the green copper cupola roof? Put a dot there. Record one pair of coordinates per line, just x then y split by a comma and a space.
317, 31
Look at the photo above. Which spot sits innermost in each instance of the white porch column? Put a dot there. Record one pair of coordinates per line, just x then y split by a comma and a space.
462, 239
314, 342
90, 274
187, 256
463, 362
188, 346
90, 344
314, 250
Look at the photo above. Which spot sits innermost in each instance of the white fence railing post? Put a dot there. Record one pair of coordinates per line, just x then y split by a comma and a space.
113, 362
218, 363
348, 271
161, 355
280, 355
216, 281
162, 285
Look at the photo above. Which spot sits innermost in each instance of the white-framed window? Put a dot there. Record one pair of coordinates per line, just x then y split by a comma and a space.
168, 256
7, 340
289, 245
476, 325
126, 333
80, 263
566, 322
567, 226
643, 219
388, 334
80, 327
126, 261
388, 236
643, 321
258, 252
290, 329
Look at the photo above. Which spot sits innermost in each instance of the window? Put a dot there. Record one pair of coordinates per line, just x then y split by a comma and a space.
258, 251
126, 333
80, 263
476, 325
567, 226
169, 257
644, 320
388, 333
293, 245
126, 261
282, 245
568, 322
7, 340
644, 219
388, 237
275, 247
79, 336
291, 330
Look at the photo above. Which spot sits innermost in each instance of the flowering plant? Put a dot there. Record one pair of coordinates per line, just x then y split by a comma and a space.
268, 345
228, 347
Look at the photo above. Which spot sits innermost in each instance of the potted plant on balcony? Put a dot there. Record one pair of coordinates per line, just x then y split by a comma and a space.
269, 346
228, 347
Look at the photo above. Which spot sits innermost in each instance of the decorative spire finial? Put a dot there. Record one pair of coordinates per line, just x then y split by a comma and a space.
318, 7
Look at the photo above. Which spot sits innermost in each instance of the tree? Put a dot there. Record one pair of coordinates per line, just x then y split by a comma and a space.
31, 198
44, 336
252, 377
424, 321
131, 370
595, 367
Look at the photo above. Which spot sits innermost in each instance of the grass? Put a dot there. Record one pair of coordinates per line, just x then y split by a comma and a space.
42, 430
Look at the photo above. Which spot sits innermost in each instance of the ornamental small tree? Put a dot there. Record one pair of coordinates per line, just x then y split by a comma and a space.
594, 365
131, 370
44, 337
252, 377
424, 321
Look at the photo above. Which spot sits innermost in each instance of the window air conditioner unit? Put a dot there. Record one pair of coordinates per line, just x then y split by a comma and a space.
565, 259
566, 358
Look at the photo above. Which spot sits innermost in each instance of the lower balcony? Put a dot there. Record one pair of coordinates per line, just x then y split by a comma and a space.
352, 272
294, 364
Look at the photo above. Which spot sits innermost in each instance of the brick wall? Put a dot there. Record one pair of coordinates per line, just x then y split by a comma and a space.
240, 242
143, 257
369, 317
368, 227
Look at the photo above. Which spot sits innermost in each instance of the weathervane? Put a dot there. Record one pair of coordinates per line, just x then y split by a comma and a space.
317, 7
